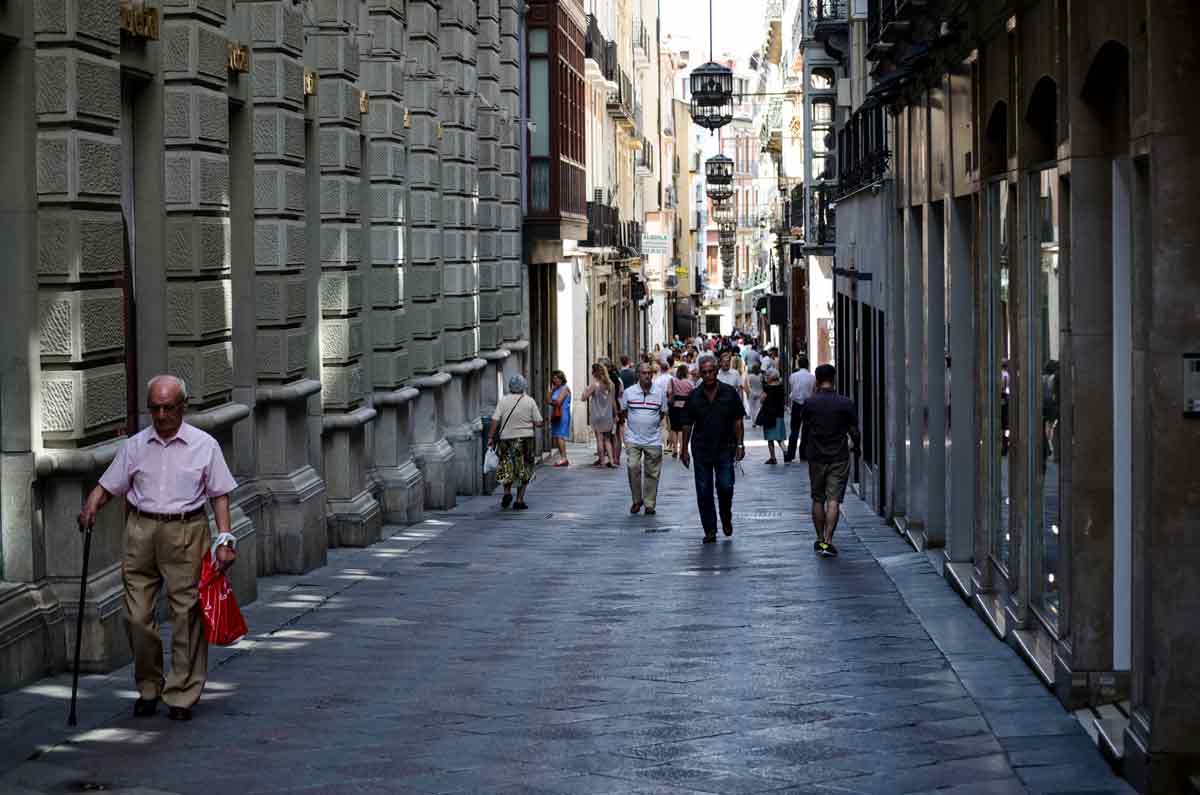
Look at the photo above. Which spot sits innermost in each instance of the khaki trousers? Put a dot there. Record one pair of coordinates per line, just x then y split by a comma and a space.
644, 460
170, 553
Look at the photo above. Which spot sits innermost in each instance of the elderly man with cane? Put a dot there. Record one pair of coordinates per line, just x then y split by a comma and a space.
166, 473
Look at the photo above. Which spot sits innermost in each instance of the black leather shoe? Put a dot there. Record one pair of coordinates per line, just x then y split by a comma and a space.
710, 539
145, 707
179, 713
727, 529
650, 512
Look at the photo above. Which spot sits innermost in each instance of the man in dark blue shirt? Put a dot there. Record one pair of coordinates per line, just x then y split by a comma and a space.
713, 423
828, 418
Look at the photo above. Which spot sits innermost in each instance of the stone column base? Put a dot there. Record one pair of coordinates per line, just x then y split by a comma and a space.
1157, 773
294, 540
354, 518
105, 644
398, 483
1078, 689
33, 641
292, 533
436, 461
355, 522
468, 457
401, 493
433, 454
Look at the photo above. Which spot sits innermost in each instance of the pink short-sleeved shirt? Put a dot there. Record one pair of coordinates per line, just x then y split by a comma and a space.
175, 476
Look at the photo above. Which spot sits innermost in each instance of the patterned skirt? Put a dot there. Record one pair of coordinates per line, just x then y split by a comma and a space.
516, 461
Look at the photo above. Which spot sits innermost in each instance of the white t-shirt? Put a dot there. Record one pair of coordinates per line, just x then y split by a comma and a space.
644, 410
731, 377
524, 413
662, 380
801, 385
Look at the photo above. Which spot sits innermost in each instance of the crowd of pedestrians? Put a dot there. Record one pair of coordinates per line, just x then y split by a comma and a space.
690, 401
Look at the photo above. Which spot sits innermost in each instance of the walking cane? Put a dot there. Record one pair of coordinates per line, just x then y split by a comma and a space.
87, 548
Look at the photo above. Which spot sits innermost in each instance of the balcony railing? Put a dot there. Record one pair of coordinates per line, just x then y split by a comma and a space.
862, 147
620, 100
602, 225
888, 20
822, 224
629, 236
641, 43
595, 46
827, 11
644, 162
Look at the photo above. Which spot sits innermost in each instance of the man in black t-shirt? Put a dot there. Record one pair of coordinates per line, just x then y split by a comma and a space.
713, 424
627, 372
828, 418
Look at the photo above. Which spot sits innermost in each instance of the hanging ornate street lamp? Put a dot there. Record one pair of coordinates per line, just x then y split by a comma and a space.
712, 89
718, 193
718, 170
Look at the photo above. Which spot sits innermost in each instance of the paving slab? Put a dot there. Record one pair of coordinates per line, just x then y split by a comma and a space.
575, 648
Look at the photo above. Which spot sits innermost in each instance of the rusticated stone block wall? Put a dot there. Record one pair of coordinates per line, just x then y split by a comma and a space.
81, 238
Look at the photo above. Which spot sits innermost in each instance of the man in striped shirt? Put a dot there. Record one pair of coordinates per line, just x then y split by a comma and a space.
642, 408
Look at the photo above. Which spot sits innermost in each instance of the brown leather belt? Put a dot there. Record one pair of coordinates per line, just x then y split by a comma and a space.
170, 517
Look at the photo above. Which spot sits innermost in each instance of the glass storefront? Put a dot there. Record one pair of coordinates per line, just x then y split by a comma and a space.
998, 380
1045, 344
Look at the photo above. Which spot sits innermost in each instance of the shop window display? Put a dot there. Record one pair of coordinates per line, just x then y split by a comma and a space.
999, 378
1044, 394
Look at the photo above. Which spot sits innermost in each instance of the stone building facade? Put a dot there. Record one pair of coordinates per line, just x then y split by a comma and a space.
1017, 323
311, 211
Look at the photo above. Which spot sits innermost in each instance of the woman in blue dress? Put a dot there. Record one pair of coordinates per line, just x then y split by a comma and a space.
560, 415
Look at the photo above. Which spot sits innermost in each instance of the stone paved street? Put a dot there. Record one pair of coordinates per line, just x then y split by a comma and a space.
576, 649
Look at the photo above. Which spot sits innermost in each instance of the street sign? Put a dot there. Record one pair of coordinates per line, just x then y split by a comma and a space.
655, 244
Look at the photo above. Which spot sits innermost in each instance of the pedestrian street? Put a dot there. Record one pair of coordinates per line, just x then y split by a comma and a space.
575, 648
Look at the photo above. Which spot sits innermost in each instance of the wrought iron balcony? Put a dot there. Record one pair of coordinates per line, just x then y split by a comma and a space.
862, 146
889, 21
595, 51
603, 221
822, 226
620, 100
644, 162
629, 237
641, 43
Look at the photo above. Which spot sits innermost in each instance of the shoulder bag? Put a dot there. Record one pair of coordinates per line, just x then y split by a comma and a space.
491, 459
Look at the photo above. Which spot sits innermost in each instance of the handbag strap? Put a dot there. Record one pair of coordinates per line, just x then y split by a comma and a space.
510, 413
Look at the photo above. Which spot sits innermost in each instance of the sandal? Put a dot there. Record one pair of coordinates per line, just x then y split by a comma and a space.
519, 506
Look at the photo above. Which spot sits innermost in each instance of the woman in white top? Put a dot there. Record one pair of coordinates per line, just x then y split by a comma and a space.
513, 423
754, 391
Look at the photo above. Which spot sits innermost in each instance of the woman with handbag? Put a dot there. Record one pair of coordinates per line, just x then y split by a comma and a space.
513, 423
559, 399
681, 387
770, 416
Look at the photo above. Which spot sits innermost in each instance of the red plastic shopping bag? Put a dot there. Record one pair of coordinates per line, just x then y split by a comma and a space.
223, 622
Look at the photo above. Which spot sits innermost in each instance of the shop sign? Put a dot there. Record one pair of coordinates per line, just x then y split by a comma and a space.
310, 83
655, 244
138, 21
238, 58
